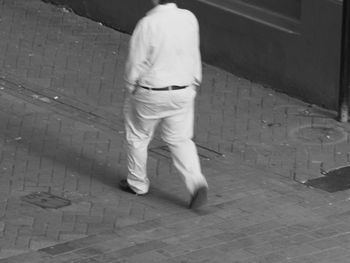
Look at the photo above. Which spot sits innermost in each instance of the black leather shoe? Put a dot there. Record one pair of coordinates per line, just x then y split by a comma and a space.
199, 198
123, 184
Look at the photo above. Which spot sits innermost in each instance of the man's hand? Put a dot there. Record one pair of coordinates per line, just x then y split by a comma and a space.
130, 88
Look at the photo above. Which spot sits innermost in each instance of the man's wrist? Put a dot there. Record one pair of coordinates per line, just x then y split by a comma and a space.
130, 87
196, 83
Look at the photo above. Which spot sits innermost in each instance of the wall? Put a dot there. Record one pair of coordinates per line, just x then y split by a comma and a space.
293, 47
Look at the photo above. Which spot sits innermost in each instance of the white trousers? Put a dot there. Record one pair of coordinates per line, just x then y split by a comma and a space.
174, 112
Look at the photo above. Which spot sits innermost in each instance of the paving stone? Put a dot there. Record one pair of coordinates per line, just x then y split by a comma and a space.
148, 257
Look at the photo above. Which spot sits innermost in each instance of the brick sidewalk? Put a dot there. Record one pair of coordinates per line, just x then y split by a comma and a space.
61, 93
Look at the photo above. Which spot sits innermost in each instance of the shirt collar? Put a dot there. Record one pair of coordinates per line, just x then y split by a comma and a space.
162, 8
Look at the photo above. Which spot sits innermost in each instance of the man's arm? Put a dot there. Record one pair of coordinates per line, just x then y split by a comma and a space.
137, 57
197, 57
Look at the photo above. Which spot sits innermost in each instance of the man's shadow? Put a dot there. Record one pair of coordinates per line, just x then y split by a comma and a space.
72, 156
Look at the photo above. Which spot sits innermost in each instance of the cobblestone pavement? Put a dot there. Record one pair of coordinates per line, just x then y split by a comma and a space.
61, 93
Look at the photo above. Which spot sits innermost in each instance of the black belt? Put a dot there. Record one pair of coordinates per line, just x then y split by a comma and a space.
165, 88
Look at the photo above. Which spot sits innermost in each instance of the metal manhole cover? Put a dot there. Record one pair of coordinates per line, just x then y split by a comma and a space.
317, 134
46, 200
334, 181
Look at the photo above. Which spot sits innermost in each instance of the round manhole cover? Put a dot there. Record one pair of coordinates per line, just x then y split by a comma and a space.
319, 134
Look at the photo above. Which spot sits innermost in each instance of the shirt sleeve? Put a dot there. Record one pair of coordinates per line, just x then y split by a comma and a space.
136, 62
197, 58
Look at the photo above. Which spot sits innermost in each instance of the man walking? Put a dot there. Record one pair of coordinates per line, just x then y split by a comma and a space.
162, 73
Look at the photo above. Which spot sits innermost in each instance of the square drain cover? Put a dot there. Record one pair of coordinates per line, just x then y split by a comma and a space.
204, 153
46, 200
334, 181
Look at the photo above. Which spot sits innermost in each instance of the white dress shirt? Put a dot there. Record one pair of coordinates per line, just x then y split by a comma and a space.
164, 49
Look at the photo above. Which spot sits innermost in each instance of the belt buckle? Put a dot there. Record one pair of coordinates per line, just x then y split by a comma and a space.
170, 88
